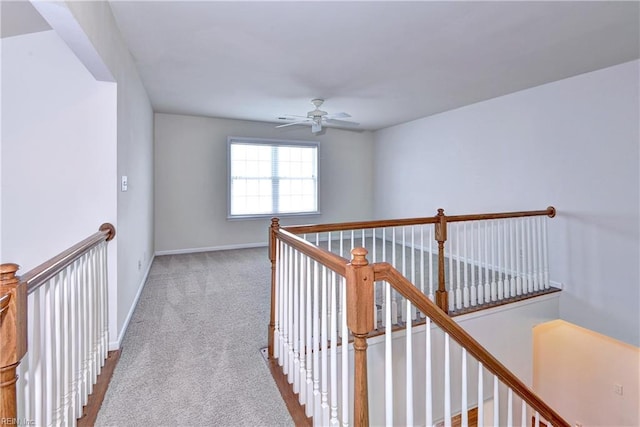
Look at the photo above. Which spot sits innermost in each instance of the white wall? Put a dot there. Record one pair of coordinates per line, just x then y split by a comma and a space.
563, 353
134, 158
58, 151
191, 181
573, 144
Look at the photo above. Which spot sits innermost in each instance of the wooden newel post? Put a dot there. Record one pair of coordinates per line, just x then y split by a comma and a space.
13, 338
442, 297
360, 286
275, 225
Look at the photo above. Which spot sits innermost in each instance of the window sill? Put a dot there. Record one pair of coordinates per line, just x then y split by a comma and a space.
269, 216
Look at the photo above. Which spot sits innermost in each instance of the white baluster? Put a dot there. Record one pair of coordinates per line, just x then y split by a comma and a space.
285, 310
302, 373
385, 302
487, 283
451, 290
537, 419
430, 237
403, 312
47, 334
474, 263
388, 359
345, 356
325, 350
284, 346
523, 415
465, 254
519, 256
545, 255
295, 368
278, 297
510, 408
309, 335
422, 255
512, 259
394, 302
65, 346
464, 404
505, 259
334, 352
496, 402
539, 239
458, 297
530, 250
498, 265
375, 288
428, 375
536, 248
480, 396
447, 383
494, 285
413, 270
409, 368
317, 397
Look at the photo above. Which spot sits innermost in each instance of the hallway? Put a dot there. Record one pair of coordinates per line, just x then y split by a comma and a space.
191, 355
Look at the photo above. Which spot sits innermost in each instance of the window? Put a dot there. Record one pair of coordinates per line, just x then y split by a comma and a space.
269, 177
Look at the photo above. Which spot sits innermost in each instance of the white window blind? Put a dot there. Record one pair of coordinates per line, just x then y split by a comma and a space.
269, 177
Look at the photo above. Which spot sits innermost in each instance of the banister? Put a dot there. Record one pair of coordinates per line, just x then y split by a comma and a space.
385, 272
330, 260
356, 225
550, 212
13, 312
366, 225
39, 275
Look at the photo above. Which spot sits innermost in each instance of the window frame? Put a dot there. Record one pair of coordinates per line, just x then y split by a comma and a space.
278, 143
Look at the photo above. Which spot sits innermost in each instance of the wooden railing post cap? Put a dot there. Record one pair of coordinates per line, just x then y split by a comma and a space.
110, 229
359, 257
275, 222
551, 211
8, 273
440, 212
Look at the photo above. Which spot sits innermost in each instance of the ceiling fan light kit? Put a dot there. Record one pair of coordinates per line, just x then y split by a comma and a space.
317, 118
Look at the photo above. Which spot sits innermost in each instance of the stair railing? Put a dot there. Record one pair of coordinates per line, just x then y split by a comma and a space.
321, 302
503, 381
53, 334
460, 262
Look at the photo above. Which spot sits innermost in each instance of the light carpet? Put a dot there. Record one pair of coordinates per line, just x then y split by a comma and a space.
191, 355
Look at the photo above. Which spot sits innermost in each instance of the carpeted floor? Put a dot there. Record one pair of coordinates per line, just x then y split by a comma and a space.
191, 355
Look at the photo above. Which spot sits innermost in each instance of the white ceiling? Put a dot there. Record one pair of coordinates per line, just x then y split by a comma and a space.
384, 62
20, 17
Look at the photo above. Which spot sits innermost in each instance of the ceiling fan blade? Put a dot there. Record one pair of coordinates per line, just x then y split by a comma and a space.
342, 115
291, 117
305, 122
341, 122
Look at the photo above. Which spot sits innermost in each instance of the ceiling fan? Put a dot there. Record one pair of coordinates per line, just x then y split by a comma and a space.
318, 118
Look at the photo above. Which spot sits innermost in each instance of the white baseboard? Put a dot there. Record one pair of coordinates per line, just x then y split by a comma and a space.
211, 248
116, 345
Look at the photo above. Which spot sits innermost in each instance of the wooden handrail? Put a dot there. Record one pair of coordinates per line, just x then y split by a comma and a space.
366, 225
385, 272
358, 225
13, 312
39, 275
550, 212
332, 261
